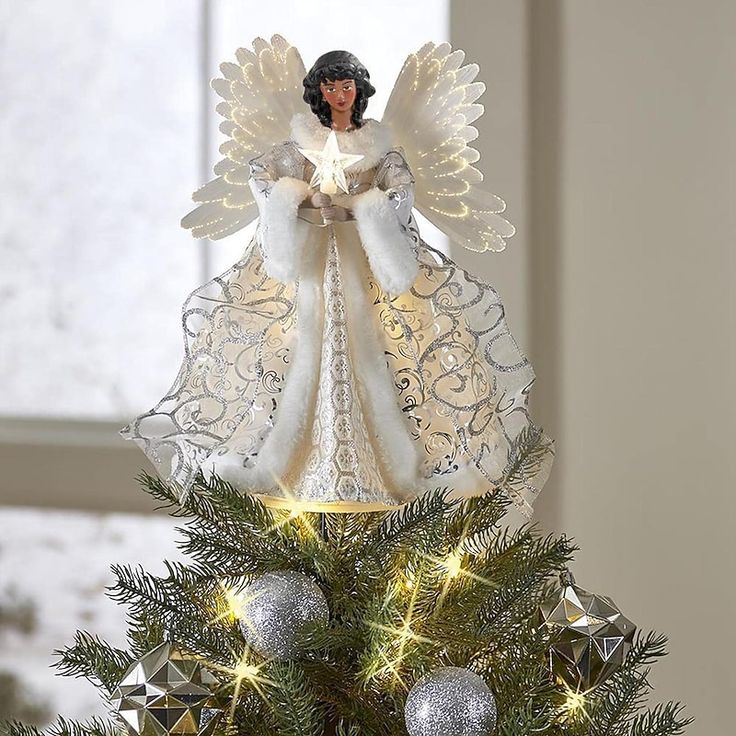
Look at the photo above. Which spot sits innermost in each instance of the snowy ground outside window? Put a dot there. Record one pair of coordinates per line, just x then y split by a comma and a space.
60, 563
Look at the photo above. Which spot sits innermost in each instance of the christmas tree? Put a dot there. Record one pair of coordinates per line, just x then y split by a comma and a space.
424, 620
343, 442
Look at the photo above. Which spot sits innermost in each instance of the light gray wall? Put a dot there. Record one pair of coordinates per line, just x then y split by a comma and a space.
628, 233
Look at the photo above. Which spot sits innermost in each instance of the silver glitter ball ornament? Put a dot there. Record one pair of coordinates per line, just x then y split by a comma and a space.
450, 701
278, 609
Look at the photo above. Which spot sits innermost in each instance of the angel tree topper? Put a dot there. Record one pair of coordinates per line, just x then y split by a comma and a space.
355, 366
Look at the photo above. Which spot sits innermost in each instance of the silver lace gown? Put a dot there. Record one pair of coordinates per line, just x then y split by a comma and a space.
436, 365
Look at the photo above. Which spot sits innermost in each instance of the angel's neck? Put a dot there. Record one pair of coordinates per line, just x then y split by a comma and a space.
342, 121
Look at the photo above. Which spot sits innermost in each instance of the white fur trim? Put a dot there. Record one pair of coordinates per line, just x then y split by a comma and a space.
388, 247
379, 395
372, 140
282, 234
298, 398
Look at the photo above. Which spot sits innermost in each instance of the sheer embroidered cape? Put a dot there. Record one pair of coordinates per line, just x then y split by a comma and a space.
348, 367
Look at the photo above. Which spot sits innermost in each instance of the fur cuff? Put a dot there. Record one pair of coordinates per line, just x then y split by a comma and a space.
282, 234
388, 247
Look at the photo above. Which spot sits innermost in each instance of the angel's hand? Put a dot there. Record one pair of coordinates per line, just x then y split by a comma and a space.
335, 213
320, 200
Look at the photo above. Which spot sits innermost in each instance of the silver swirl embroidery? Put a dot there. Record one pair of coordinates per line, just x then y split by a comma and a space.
460, 379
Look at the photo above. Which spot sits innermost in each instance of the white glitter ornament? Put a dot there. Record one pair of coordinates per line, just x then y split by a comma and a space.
450, 701
278, 609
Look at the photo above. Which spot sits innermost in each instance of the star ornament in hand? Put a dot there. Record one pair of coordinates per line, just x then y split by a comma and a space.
330, 164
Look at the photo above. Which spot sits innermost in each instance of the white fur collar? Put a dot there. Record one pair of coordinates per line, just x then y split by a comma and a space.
372, 139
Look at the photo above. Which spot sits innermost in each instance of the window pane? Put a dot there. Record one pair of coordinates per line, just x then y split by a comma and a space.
381, 33
54, 569
98, 158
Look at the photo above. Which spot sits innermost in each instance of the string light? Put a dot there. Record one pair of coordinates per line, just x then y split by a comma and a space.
575, 701
453, 564
235, 604
231, 604
575, 704
297, 512
403, 635
244, 671
408, 580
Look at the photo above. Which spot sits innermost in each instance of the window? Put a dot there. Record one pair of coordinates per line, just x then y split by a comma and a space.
107, 126
99, 129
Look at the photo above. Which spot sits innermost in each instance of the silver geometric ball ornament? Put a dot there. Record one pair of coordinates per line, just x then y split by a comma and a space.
591, 635
168, 692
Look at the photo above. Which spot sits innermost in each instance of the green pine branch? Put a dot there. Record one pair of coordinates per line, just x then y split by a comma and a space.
218, 548
231, 534
520, 564
416, 527
397, 610
665, 719
147, 594
225, 527
347, 729
474, 523
525, 719
94, 659
166, 494
620, 699
63, 727
529, 453
182, 607
145, 633
295, 709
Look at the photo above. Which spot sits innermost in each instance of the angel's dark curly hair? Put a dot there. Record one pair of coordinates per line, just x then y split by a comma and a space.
332, 66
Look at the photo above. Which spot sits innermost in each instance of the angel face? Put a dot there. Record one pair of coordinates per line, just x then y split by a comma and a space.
339, 95
337, 89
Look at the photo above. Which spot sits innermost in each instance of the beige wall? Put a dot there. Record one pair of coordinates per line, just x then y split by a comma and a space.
628, 228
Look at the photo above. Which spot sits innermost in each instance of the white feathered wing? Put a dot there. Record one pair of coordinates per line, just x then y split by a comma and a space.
430, 112
261, 94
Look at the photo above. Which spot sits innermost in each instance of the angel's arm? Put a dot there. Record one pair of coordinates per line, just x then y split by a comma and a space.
279, 192
382, 215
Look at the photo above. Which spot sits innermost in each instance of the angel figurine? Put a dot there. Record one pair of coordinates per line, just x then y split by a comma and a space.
343, 362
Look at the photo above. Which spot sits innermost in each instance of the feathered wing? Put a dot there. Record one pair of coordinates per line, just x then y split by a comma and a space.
430, 112
261, 94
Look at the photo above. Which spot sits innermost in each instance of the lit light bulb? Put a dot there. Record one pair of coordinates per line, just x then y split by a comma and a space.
453, 564
245, 671
574, 705
234, 604
575, 701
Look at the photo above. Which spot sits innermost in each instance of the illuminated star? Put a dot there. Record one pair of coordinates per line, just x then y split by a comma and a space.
330, 164
403, 635
244, 671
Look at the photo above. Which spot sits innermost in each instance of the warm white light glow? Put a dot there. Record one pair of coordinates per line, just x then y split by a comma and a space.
453, 564
575, 704
329, 165
389, 660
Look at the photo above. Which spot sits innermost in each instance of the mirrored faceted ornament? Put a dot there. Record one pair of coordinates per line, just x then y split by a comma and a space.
165, 692
278, 610
591, 635
450, 701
